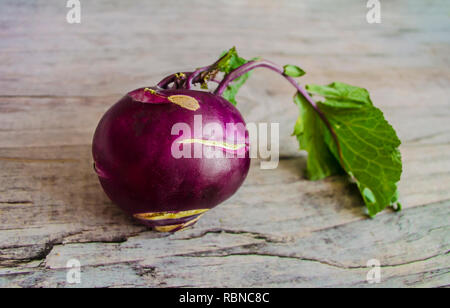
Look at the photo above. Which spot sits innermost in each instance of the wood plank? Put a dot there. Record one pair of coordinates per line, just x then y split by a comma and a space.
329, 257
55, 194
121, 46
56, 80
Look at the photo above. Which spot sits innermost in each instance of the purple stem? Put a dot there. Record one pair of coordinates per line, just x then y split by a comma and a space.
192, 76
245, 68
171, 78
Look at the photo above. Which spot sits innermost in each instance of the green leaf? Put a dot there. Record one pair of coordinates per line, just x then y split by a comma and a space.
368, 144
229, 61
293, 71
369, 147
341, 103
338, 91
351, 135
309, 131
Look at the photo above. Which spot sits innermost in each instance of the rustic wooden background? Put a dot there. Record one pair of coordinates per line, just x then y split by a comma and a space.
279, 230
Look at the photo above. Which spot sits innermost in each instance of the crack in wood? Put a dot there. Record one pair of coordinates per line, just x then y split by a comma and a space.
332, 264
418, 139
12, 202
256, 235
38, 160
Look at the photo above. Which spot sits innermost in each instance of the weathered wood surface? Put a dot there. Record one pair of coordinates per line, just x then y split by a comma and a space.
56, 80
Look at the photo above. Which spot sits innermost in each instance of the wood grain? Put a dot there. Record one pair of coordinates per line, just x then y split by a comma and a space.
278, 230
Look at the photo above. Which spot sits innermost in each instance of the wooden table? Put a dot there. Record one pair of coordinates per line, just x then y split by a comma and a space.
278, 230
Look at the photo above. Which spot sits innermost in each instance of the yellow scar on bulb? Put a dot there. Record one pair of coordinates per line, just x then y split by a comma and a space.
168, 215
169, 228
187, 102
220, 144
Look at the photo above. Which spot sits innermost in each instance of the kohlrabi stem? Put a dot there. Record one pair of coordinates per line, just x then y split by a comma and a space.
171, 78
192, 76
245, 68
